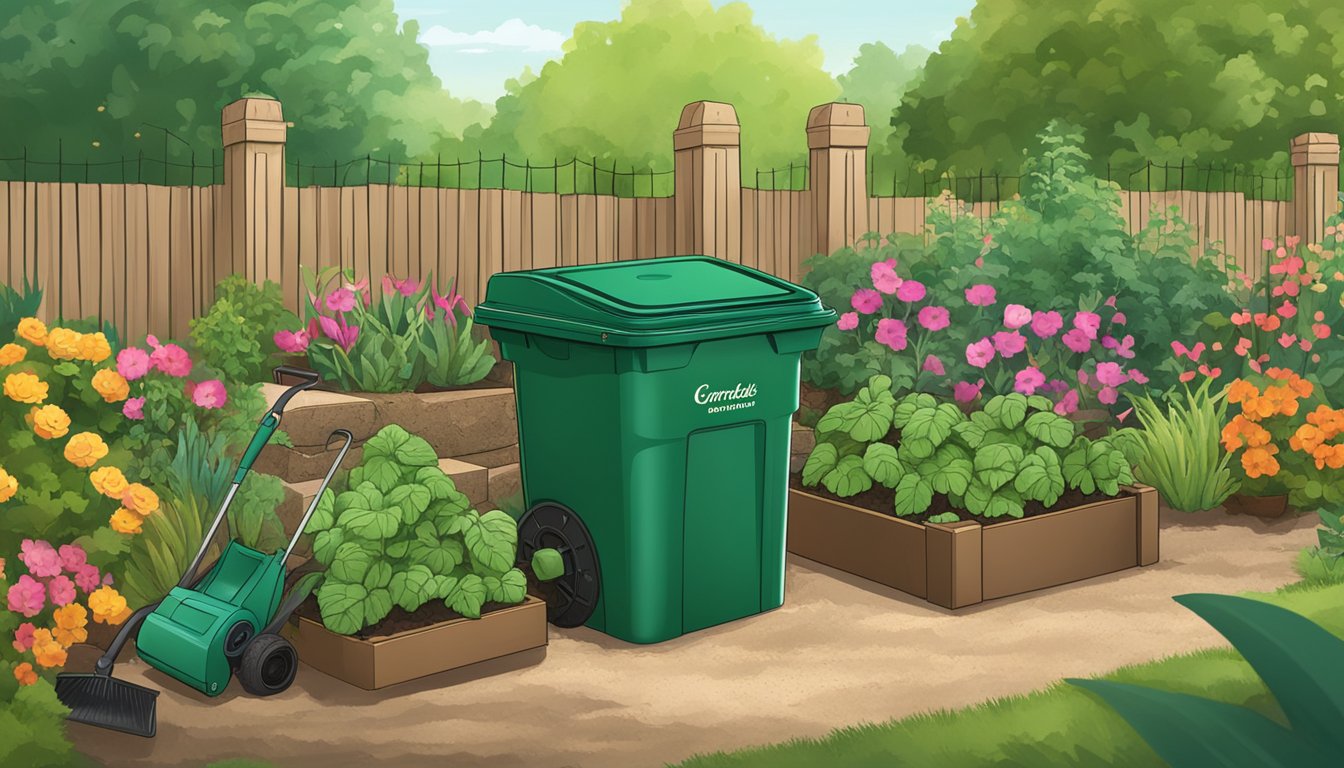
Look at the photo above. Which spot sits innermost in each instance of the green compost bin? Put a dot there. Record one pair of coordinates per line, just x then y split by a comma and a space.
655, 401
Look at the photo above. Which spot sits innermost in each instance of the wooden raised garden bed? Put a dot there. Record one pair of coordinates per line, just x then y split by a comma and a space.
959, 564
379, 661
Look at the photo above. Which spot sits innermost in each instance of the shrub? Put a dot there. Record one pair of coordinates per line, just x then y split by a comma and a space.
1182, 457
403, 535
991, 463
393, 343
16, 304
1324, 563
234, 335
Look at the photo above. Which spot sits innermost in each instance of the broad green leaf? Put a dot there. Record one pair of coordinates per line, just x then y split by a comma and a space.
548, 564
1040, 403
820, 462
1009, 410
381, 472
467, 596
915, 448
492, 542
325, 544
412, 499
879, 385
907, 406
1005, 503
444, 584
351, 562
454, 525
377, 604
440, 557
440, 485
978, 497
848, 478
883, 465
863, 421
379, 575
1187, 730
952, 470
325, 515
946, 517
932, 424
509, 589
971, 434
1040, 477
397, 549
379, 523
1050, 428
395, 443
412, 587
1076, 472
342, 606
996, 465
913, 496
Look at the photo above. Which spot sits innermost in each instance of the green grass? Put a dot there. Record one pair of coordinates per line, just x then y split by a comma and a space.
1059, 726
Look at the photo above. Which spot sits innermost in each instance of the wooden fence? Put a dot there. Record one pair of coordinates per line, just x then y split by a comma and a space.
147, 257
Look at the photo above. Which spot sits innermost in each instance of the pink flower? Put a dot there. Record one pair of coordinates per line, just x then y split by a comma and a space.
1119, 318
1286, 310
1111, 374
132, 363
23, 637
1267, 244
1055, 386
1191, 352
891, 332
1320, 330
911, 290
1123, 348
339, 331
340, 300
1087, 322
88, 578
62, 590
27, 596
933, 365
934, 318
885, 279
133, 408
172, 360
1077, 341
1016, 316
450, 304
979, 353
210, 394
848, 321
405, 287
1068, 403
866, 301
72, 557
293, 342
1137, 376
1046, 324
1028, 380
1124, 414
40, 557
965, 392
1287, 340
1241, 318
981, 295
1009, 343
1108, 395
1110, 301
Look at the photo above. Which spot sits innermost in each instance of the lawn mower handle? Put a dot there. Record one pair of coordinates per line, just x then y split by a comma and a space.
271, 421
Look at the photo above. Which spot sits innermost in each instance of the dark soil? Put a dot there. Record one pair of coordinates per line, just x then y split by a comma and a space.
433, 612
880, 498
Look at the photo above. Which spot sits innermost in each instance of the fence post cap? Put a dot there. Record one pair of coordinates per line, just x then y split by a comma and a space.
707, 124
253, 119
837, 124
1315, 149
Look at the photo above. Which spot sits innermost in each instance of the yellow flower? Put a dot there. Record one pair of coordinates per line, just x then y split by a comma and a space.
9, 486
94, 348
108, 606
85, 449
33, 331
125, 521
71, 622
111, 385
109, 481
63, 343
50, 421
11, 354
47, 650
140, 499
24, 674
25, 388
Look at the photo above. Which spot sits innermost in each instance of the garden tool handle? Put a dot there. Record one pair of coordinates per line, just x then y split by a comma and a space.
271, 421
321, 489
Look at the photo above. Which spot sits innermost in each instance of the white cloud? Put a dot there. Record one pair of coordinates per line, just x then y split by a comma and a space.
514, 33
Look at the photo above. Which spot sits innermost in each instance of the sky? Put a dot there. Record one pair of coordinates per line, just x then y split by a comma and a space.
475, 46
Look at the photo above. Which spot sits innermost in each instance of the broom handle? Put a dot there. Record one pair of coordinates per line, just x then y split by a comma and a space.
104, 664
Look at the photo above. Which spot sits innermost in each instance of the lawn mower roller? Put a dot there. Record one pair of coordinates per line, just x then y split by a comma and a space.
210, 627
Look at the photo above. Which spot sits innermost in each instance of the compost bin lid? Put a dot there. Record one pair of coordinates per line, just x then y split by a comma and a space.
650, 302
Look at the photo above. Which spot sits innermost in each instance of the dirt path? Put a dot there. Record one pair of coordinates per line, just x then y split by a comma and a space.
841, 651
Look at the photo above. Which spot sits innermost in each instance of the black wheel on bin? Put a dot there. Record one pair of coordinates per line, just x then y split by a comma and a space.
571, 598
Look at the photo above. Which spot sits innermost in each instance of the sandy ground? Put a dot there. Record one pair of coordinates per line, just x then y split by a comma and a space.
841, 651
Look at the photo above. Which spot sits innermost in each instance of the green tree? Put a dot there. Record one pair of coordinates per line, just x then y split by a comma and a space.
878, 80
1160, 80
109, 77
619, 88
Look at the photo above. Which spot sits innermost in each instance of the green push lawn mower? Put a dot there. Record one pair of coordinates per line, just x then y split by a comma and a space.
210, 627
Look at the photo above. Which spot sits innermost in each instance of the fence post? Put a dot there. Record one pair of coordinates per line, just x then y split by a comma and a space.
707, 148
1315, 184
837, 144
254, 182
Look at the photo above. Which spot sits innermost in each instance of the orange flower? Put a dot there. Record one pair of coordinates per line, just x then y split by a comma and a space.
24, 674
1260, 462
1283, 399
1240, 390
125, 521
108, 606
111, 385
1278, 374
109, 481
1331, 456
139, 499
63, 343
49, 421
47, 651
11, 354
33, 331
94, 347
71, 624
1307, 438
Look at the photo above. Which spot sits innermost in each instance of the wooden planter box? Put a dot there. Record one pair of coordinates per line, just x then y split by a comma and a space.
964, 563
382, 661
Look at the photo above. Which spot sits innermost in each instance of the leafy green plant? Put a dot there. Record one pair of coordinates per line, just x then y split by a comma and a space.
159, 556
1182, 455
32, 722
1324, 563
453, 356
234, 335
401, 535
1300, 663
16, 304
253, 519
991, 462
